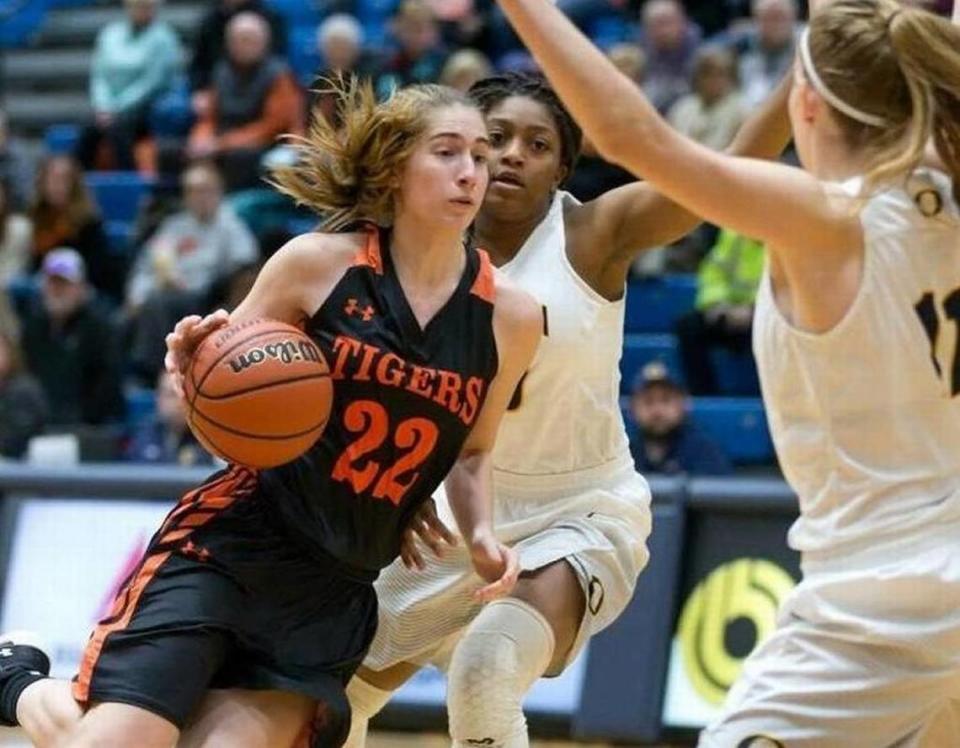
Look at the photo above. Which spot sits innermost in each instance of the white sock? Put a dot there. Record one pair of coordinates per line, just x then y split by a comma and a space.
366, 701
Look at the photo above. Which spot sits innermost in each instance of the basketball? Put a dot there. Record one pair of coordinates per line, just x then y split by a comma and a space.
258, 393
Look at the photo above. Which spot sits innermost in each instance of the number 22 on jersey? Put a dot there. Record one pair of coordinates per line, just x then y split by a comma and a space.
371, 422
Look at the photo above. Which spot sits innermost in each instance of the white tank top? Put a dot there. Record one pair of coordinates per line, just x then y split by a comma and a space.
866, 417
568, 417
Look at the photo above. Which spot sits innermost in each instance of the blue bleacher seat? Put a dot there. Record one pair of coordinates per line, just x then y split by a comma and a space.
19, 21
739, 424
141, 404
302, 53
171, 113
608, 30
655, 304
374, 16
118, 232
297, 12
735, 373
641, 349
118, 193
60, 139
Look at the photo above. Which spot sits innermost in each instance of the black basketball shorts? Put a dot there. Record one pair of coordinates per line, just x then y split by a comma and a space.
223, 598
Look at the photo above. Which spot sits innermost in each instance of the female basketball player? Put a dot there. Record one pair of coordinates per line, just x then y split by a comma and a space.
856, 340
260, 583
566, 491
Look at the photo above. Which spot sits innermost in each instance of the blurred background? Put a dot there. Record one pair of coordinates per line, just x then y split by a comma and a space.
127, 201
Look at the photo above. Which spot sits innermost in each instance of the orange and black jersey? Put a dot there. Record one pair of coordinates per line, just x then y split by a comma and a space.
405, 399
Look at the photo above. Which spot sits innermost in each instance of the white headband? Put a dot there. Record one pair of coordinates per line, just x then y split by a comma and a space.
806, 59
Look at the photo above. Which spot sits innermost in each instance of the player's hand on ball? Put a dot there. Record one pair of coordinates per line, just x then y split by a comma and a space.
431, 530
497, 564
183, 341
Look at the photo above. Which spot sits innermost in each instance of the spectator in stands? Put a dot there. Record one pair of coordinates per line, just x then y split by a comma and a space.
64, 215
629, 60
464, 68
16, 236
174, 273
229, 290
192, 248
340, 44
713, 112
667, 441
254, 98
134, 61
766, 47
419, 53
165, 437
71, 345
210, 41
9, 320
23, 408
16, 167
462, 23
670, 41
728, 280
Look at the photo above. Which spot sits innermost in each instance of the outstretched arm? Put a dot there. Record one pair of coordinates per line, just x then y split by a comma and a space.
748, 196
637, 217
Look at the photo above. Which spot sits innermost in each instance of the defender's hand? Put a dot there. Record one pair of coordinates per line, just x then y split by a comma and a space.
497, 564
430, 529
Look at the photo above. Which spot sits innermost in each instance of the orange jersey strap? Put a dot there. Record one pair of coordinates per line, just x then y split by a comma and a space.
484, 285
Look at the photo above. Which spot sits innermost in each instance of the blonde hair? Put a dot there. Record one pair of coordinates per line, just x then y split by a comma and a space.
348, 174
897, 63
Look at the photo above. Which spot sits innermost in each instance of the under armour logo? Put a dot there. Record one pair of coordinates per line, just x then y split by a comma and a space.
353, 307
195, 551
6, 652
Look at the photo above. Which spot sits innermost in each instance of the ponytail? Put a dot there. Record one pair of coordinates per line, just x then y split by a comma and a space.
929, 50
900, 65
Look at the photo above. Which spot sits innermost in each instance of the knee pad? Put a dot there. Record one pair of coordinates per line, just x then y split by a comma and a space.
506, 648
331, 722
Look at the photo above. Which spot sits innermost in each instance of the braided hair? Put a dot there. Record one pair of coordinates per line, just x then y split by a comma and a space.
489, 92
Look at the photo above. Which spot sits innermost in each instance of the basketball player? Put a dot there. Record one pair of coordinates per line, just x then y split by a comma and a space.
566, 491
856, 340
260, 583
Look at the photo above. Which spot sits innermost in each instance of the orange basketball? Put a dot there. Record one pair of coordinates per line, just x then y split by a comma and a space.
258, 393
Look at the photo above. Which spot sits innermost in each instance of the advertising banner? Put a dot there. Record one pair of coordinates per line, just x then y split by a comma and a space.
67, 559
737, 571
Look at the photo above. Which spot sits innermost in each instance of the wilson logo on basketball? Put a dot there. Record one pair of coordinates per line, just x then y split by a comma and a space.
285, 351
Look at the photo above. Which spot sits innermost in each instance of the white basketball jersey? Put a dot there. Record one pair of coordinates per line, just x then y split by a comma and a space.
866, 417
567, 415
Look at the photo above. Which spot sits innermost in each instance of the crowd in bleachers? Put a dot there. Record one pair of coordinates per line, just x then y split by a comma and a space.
156, 208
